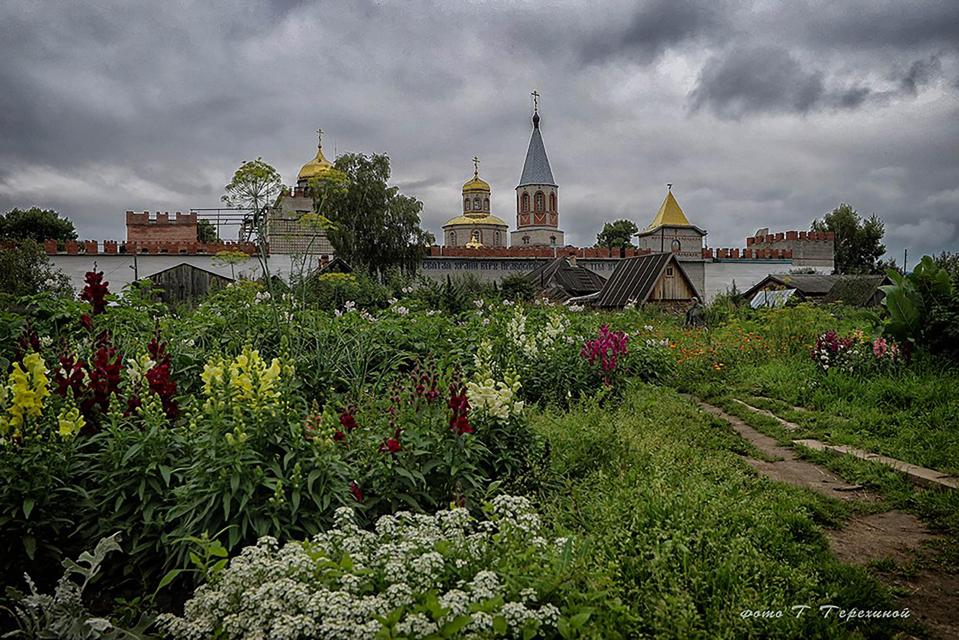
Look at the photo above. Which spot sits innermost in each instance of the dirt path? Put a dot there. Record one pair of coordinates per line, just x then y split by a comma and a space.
933, 597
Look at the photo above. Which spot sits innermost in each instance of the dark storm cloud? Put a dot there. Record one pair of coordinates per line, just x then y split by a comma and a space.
762, 113
769, 79
651, 28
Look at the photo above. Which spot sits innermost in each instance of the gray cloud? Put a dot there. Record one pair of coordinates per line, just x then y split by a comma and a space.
762, 114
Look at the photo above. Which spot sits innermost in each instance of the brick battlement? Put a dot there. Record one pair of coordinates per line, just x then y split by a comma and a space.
748, 254
160, 218
530, 252
146, 247
792, 236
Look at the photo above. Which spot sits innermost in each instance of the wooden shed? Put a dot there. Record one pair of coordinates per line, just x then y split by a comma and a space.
654, 278
186, 282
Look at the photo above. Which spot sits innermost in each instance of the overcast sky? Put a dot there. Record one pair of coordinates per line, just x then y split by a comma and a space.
763, 114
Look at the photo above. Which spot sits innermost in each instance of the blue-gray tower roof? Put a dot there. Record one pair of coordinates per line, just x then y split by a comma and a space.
536, 168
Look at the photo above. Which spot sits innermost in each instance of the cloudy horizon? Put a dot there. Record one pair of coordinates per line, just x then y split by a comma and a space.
761, 114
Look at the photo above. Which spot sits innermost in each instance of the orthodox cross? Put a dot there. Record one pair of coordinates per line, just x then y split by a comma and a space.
669, 186
319, 136
475, 166
535, 95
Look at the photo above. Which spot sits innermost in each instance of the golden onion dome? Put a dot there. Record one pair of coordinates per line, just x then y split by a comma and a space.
315, 167
476, 184
474, 220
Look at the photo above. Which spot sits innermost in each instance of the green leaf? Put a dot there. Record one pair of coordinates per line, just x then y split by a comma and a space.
455, 625
168, 578
27, 507
500, 625
30, 545
166, 472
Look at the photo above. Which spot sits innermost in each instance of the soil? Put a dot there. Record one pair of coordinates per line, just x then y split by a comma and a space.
931, 595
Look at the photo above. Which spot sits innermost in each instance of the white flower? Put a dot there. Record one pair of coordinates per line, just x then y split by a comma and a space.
478, 304
391, 301
262, 296
401, 310
575, 308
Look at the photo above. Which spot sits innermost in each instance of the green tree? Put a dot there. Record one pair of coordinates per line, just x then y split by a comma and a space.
858, 243
617, 235
372, 225
25, 270
255, 187
36, 224
206, 232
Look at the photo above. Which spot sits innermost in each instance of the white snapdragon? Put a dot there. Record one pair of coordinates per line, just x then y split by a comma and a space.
496, 399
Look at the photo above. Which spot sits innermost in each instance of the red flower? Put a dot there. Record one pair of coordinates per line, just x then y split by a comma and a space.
356, 491
339, 436
460, 405
86, 322
347, 419
95, 292
391, 446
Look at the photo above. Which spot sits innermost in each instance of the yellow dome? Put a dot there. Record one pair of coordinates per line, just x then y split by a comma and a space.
315, 167
476, 184
474, 220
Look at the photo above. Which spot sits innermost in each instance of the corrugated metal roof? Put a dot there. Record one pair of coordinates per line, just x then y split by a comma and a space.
635, 278
536, 169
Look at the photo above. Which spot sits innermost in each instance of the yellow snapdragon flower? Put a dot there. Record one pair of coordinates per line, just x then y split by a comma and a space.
247, 377
70, 422
26, 391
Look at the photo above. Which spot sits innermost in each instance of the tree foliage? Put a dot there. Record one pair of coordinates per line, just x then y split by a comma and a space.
858, 242
617, 235
372, 225
36, 224
26, 270
255, 186
206, 232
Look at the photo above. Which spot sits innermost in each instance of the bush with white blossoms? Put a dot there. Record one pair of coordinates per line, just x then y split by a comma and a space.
414, 576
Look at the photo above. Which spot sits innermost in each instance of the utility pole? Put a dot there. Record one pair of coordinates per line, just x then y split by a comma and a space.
905, 258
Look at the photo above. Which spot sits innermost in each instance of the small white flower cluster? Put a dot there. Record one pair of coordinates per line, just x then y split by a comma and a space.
654, 343
348, 307
575, 308
341, 583
402, 311
495, 398
478, 303
262, 296
557, 327
630, 304
516, 333
407, 290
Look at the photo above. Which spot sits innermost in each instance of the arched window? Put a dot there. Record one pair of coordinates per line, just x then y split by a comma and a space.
485, 204
476, 235
552, 202
452, 241
466, 204
676, 246
476, 204
539, 202
525, 239
525, 202
497, 237
552, 241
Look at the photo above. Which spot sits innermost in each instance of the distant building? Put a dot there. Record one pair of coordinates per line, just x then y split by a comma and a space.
286, 232
161, 228
476, 226
854, 290
537, 196
186, 282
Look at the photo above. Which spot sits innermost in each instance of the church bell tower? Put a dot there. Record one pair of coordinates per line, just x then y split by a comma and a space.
537, 197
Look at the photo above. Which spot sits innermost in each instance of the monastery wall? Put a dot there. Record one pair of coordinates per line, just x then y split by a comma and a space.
161, 228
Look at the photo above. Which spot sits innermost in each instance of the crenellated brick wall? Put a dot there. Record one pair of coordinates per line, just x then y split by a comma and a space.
522, 251
113, 247
803, 248
161, 228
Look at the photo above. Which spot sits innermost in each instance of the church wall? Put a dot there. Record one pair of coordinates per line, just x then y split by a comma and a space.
495, 269
661, 240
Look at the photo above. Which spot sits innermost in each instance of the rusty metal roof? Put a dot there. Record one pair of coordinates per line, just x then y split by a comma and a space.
635, 278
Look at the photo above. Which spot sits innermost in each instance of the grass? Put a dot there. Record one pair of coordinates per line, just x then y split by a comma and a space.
684, 535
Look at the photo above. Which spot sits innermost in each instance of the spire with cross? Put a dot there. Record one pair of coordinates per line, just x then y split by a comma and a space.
535, 95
